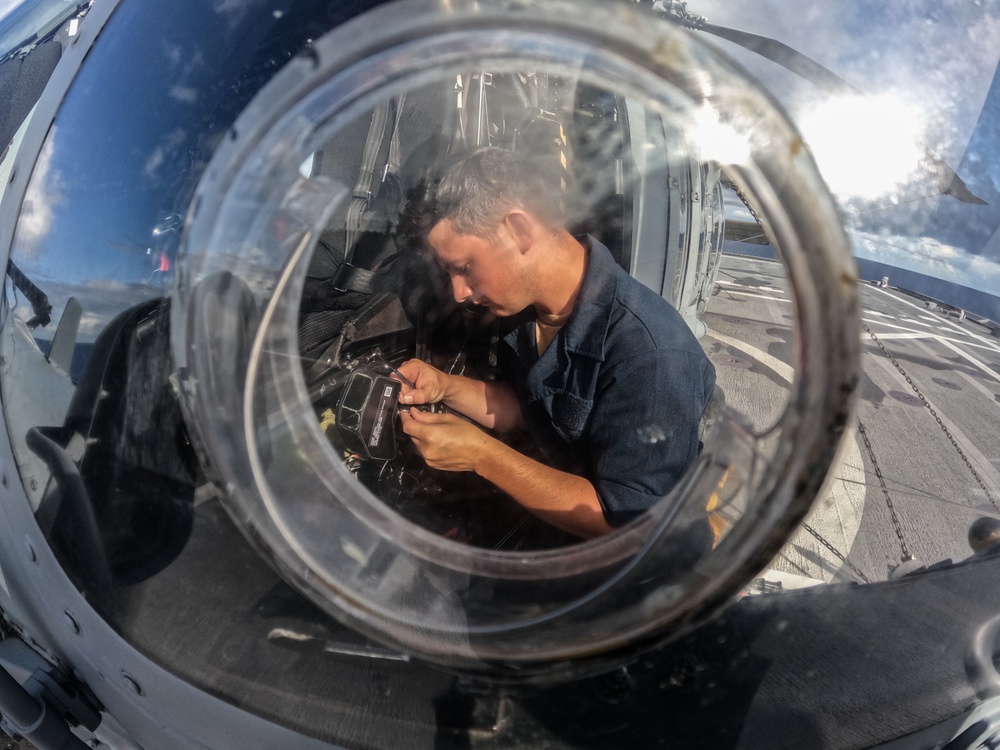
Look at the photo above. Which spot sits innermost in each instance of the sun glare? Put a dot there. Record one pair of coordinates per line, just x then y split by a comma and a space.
717, 140
865, 146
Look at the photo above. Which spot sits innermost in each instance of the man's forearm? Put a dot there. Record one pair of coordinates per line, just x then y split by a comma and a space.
564, 500
493, 405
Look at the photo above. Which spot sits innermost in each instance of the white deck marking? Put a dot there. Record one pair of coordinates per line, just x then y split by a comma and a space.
757, 296
988, 370
772, 289
967, 378
990, 344
786, 372
897, 336
915, 331
911, 334
972, 344
837, 512
901, 328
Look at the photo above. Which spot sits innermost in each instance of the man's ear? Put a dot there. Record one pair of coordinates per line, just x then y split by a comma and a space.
523, 228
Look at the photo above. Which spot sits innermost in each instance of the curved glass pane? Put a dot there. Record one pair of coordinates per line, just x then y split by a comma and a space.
140, 496
402, 383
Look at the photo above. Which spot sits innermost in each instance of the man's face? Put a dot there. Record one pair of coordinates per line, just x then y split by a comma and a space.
487, 272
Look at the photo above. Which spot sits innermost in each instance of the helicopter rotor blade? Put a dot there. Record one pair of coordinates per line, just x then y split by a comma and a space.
785, 56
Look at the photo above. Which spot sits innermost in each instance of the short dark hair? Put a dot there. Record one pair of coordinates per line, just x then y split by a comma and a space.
477, 189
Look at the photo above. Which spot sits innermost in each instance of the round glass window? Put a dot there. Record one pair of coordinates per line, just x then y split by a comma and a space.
437, 322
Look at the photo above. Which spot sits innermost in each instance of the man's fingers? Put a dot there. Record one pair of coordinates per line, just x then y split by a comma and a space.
412, 396
425, 384
429, 418
410, 426
413, 420
410, 368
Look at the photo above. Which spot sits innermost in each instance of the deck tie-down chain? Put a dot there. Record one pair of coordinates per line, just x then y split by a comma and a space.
822, 540
896, 525
731, 184
907, 555
941, 424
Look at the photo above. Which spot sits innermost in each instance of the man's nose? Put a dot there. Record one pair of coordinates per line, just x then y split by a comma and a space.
462, 291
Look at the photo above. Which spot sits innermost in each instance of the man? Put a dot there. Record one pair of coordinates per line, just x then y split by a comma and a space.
609, 380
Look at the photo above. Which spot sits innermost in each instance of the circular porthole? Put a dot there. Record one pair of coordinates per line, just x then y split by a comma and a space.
300, 428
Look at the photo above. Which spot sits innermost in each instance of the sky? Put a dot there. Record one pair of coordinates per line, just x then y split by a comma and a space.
927, 72
117, 167
7, 5
96, 192
927, 69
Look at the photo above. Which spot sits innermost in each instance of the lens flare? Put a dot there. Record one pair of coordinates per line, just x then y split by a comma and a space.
865, 147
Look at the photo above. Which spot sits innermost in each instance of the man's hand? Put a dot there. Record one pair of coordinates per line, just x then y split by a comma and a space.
445, 441
493, 405
449, 443
431, 385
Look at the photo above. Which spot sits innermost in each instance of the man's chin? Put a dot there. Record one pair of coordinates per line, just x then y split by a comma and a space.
498, 310
493, 308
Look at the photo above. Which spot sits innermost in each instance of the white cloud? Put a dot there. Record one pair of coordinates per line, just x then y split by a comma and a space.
43, 196
173, 53
934, 61
735, 208
865, 146
231, 12
105, 287
159, 155
154, 161
940, 55
91, 324
6, 6
184, 94
931, 257
229, 6
101, 299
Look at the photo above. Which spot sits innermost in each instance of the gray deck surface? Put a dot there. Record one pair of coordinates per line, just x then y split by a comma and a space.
226, 647
955, 365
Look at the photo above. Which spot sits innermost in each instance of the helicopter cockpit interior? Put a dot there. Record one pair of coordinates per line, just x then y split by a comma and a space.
217, 532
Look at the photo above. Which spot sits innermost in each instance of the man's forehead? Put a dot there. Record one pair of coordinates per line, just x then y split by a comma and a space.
440, 233
449, 245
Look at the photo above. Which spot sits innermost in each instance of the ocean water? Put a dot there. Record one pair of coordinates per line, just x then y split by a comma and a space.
978, 303
81, 353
